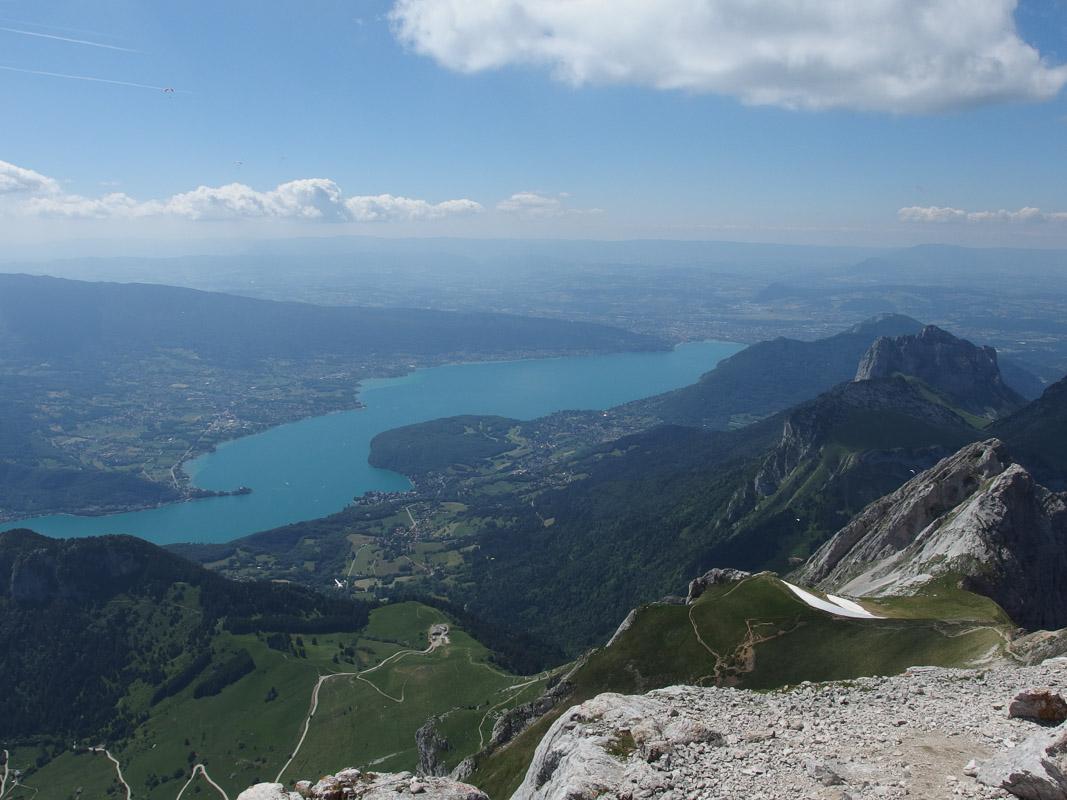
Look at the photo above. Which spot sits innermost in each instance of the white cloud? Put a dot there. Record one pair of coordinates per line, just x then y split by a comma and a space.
943, 214
308, 199
540, 206
382, 207
908, 56
19, 180
72, 206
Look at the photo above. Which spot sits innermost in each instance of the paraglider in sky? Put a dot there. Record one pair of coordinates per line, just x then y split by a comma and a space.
168, 90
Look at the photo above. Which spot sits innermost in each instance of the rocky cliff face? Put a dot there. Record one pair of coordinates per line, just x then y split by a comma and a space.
977, 515
966, 374
432, 747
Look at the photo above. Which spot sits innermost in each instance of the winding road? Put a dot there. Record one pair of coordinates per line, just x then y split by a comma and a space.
199, 768
118, 769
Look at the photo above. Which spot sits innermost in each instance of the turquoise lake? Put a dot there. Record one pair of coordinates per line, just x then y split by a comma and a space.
316, 466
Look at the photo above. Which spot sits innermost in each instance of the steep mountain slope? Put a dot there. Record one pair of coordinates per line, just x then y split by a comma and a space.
84, 621
966, 375
835, 455
977, 517
1038, 435
653, 508
771, 376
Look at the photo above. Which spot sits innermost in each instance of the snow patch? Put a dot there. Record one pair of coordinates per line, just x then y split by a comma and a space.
838, 606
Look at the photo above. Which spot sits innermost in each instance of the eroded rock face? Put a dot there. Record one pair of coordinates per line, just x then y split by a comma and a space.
609, 743
352, 784
967, 374
713, 577
976, 514
1033, 770
432, 746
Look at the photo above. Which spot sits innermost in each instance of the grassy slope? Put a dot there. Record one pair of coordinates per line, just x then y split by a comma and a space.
945, 627
242, 738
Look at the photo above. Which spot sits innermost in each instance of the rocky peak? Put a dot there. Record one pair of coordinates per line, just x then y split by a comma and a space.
976, 514
966, 374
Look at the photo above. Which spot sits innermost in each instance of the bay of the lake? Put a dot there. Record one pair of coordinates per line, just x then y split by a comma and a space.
316, 466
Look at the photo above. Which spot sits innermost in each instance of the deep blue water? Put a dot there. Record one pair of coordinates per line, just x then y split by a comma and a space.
315, 467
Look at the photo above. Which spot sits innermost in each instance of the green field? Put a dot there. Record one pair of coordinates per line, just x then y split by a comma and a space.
246, 733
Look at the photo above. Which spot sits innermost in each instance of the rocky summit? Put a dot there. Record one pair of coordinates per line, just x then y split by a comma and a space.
967, 374
929, 733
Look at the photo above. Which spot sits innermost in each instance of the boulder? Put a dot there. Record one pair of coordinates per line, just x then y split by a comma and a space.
1041, 705
1033, 770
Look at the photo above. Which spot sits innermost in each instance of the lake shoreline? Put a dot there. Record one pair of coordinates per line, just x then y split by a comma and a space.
539, 386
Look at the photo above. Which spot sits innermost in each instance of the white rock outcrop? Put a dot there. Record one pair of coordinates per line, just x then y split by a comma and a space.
353, 784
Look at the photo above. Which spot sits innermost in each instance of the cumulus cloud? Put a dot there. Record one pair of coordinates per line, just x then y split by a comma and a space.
907, 56
73, 206
945, 214
382, 207
532, 205
309, 199
19, 180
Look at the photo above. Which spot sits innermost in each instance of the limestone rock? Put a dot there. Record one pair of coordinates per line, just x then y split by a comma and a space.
969, 375
611, 742
1033, 770
267, 791
976, 514
352, 784
713, 577
431, 746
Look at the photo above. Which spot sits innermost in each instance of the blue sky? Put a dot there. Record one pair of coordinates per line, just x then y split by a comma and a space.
532, 121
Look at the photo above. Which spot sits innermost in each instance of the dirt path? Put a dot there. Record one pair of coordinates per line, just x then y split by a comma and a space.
200, 769
354, 557
118, 769
3, 778
518, 687
435, 642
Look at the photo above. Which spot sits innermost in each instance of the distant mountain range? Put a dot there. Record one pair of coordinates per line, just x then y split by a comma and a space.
52, 318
